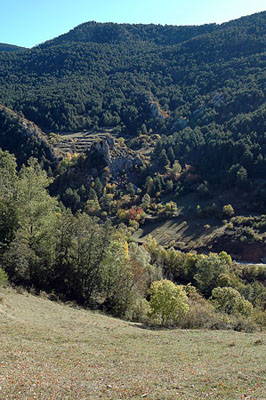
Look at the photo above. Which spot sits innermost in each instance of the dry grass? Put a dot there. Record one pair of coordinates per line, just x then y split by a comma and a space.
52, 351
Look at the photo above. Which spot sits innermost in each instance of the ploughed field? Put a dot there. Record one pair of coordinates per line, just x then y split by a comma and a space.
54, 351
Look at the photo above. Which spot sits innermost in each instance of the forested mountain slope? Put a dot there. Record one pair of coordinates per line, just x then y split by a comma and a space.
10, 47
191, 99
102, 73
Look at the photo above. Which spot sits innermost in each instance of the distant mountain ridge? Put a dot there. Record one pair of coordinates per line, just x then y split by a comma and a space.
119, 33
10, 47
109, 32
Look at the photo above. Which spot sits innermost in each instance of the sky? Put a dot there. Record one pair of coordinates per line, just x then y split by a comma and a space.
30, 22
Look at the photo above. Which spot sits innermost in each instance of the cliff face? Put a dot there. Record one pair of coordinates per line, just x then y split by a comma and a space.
110, 153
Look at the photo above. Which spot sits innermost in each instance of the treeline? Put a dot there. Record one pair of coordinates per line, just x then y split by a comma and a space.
44, 247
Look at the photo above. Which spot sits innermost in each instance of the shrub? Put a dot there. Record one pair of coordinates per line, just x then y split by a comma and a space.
3, 277
168, 302
259, 317
201, 313
230, 301
139, 310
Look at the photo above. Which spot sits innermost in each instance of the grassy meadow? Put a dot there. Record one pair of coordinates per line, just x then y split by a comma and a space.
54, 351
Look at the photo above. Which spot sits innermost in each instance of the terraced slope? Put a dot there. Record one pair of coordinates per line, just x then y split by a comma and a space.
78, 142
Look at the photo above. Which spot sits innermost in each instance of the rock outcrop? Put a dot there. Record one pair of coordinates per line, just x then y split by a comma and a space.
109, 152
155, 108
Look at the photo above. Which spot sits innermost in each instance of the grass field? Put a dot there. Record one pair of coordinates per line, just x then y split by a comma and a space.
53, 351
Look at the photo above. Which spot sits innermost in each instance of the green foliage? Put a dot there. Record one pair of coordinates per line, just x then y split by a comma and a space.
168, 302
228, 211
255, 292
230, 301
208, 270
32, 251
145, 202
210, 115
8, 199
171, 209
46, 247
3, 277
139, 310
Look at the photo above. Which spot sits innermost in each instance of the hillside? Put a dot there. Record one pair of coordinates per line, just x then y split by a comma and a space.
10, 47
125, 33
188, 100
85, 77
25, 139
50, 350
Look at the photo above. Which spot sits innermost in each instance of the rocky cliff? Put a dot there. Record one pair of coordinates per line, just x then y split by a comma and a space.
110, 152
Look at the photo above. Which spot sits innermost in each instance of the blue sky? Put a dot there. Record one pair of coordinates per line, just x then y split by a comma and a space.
30, 22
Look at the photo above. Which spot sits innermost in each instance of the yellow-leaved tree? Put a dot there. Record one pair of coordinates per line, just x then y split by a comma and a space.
168, 302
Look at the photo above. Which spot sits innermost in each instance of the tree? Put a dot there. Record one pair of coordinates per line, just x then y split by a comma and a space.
130, 189
98, 187
8, 199
32, 252
171, 154
208, 270
176, 169
145, 201
228, 211
169, 186
92, 194
92, 207
163, 159
149, 185
230, 301
171, 209
168, 302
118, 281
144, 272
90, 242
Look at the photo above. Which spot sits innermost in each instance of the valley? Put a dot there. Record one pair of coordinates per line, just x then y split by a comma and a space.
133, 173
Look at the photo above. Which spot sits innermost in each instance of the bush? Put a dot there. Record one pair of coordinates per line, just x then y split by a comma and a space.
259, 317
3, 277
139, 310
168, 302
230, 301
201, 314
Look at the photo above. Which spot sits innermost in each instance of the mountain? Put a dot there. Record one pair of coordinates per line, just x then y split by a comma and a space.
10, 47
113, 33
25, 139
101, 74
189, 99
